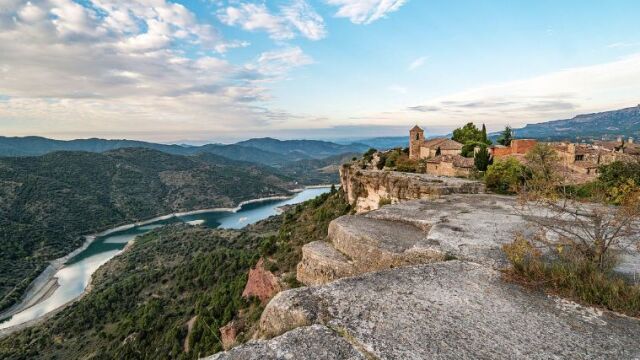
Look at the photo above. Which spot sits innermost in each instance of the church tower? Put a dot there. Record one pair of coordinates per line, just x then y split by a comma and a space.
416, 138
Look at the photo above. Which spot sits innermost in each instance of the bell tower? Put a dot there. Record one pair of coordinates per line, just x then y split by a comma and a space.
416, 138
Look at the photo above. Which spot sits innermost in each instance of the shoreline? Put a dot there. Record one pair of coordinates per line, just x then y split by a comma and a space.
46, 283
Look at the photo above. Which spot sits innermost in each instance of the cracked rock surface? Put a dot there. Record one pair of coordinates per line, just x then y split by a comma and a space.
451, 310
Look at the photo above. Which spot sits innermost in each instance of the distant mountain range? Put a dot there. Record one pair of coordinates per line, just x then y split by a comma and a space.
608, 125
265, 151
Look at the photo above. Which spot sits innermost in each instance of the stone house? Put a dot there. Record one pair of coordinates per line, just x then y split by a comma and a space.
517, 147
419, 148
450, 165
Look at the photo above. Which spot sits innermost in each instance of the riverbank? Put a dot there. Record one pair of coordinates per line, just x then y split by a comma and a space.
45, 284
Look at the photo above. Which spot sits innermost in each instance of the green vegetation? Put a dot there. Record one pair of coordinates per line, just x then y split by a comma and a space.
506, 136
587, 233
470, 133
482, 159
505, 176
569, 274
471, 137
48, 202
142, 300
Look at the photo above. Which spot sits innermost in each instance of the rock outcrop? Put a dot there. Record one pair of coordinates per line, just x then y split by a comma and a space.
421, 279
229, 334
306, 343
448, 310
466, 227
261, 283
367, 189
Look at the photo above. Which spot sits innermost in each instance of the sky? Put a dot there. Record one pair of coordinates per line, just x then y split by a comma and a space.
225, 70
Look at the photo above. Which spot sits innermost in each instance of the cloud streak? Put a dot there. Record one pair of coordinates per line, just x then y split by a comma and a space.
365, 11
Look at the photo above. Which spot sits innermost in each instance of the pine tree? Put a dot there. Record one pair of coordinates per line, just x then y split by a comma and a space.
484, 135
506, 136
482, 159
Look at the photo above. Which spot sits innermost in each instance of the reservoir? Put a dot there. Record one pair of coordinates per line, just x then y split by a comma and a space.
75, 275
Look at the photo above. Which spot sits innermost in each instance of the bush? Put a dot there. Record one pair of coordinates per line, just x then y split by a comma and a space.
505, 176
384, 201
405, 164
567, 273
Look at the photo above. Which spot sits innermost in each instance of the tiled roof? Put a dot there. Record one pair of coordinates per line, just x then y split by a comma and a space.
443, 144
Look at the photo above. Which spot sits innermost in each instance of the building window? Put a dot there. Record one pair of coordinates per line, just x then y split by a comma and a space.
417, 136
579, 157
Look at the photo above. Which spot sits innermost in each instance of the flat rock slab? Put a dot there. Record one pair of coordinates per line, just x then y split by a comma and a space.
451, 310
322, 263
306, 343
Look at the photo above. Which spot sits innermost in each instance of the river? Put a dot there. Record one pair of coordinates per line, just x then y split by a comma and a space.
74, 277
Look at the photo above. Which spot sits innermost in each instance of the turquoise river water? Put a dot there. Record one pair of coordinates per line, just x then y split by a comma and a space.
75, 275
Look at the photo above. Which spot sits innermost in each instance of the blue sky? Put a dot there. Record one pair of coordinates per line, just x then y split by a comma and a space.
224, 70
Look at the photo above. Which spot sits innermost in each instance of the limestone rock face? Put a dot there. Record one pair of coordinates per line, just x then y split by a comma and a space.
322, 263
261, 283
470, 227
366, 188
306, 343
448, 310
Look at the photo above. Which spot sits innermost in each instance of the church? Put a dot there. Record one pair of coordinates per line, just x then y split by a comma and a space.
419, 148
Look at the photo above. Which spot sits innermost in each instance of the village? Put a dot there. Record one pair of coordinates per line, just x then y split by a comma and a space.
443, 156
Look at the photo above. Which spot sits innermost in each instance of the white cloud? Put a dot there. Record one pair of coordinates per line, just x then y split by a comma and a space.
417, 63
296, 17
555, 95
281, 61
117, 67
31, 13
365, 11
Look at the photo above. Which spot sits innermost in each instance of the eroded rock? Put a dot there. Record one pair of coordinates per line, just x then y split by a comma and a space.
367, 189
306, 343
322, 263
261, 283
452, 310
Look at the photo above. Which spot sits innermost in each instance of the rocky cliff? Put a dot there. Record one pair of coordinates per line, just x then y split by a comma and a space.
367, 189
421, 279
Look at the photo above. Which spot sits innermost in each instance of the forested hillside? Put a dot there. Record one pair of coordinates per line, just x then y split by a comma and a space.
266, 151
143, 300
48, 202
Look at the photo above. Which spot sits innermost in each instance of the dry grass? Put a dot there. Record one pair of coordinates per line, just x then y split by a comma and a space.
569, 274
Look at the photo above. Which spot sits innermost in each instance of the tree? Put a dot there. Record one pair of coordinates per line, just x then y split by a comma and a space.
505, 176
482, 159
485, 139
506, 136
467, 133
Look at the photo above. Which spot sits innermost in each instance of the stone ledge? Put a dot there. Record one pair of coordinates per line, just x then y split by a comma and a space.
453, 310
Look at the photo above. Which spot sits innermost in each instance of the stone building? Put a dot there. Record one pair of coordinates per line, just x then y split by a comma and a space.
517, 147
419, 148
450, 165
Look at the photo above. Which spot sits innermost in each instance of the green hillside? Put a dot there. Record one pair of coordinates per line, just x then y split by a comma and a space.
48, 202
142, 300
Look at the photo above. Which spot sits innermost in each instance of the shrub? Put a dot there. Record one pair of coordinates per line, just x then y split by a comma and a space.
569, 274
482, 159
405, 164
384, 201
505, 176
